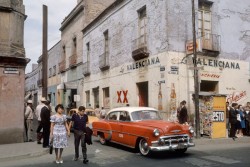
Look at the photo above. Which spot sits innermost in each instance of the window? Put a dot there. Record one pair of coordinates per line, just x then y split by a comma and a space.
54, 70
113, 116
106, 42
106, 101
204, 19
50, 72
74, 46
142, 25
209, 86
88, 51
64, 52
87, 98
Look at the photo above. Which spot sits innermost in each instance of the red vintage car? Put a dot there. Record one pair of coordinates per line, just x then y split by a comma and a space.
143, 128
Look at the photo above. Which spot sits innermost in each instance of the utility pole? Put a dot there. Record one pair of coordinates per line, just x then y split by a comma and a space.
196, 81
45, 51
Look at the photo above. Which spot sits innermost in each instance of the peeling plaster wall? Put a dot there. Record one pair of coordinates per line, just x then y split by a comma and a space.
234, 28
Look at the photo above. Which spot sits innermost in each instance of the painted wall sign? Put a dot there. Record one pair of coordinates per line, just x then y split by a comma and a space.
235, 97
206, 75
215, 63
143, 63
119, 94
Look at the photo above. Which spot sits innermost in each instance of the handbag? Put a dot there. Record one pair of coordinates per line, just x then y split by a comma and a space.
51, 147
238, 117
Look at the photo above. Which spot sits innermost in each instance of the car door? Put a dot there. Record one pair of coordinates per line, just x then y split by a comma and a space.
125, 135
115, 128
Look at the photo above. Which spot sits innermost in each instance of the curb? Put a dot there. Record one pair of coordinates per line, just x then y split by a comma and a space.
28, 155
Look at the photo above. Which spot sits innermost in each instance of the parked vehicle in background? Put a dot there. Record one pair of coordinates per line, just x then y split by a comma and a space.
143, 128
89, 111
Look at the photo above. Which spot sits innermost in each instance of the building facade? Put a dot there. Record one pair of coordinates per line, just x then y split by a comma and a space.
31, 85
138, 53
12, 71
70, 65
54, 77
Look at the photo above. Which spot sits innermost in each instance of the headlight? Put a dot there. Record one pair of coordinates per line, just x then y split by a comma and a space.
191, 129
156, 132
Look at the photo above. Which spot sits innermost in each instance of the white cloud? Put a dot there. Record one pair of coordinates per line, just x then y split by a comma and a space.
57, 11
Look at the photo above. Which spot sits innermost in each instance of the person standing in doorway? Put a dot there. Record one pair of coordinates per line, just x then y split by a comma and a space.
79, 121
59, 131
45, 122
29, 119
38, 116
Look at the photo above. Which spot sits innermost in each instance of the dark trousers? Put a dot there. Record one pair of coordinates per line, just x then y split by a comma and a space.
38, 131
247, 130
233, 129
80, 136
46, 133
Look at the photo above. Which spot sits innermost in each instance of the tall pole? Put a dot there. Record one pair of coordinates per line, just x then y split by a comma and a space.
45, 51
196, 81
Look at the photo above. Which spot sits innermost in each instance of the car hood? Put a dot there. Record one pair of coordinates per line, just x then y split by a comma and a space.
166, 126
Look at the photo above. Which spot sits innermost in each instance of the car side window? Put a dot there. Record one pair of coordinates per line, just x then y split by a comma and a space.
113, 116
124, 116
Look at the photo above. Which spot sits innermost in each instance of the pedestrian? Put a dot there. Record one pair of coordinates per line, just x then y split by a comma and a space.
79, 121
247, 120
233, 120
97, 111
183, 115
45, 122
227, 116
38, 116
241, 121
29, 120
59, 131
102, 113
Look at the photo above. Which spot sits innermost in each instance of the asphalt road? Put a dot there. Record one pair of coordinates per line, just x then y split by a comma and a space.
205, 155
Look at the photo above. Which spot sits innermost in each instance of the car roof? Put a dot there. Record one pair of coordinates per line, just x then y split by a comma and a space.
132, 109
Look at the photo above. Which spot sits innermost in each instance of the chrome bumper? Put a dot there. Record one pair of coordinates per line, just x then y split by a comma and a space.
172, 147
173, 142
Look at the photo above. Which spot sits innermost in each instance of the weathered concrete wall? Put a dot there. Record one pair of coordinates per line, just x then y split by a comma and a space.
11, 106
12, 71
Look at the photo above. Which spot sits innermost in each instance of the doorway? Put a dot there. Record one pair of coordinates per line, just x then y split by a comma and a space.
143, 94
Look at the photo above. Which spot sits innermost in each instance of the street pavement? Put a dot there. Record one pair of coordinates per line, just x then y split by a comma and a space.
17, 151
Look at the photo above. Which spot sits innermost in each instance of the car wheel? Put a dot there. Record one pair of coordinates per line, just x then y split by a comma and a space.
102, 139
181, 151
143, 147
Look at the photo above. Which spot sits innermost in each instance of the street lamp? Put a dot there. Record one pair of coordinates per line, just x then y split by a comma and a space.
196, 81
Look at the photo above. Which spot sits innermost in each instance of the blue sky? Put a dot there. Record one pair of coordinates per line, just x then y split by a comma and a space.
57, 11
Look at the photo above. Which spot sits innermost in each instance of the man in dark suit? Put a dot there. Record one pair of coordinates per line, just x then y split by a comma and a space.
183, 115
45, 122
233, 120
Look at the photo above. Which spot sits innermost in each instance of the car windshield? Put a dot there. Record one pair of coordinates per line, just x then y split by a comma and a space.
145, 115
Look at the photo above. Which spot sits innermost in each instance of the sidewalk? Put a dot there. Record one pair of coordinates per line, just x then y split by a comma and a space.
32, 149
21, 150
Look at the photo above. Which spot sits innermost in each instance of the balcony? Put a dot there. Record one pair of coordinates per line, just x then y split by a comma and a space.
62, 66
72, 61
139, 48
40, 82
104, 61
210, 44
86, 68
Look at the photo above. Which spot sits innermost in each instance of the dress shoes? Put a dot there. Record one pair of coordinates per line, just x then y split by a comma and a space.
85, 161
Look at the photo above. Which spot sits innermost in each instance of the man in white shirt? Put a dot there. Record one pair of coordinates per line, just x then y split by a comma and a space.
29, 119
102, 113
38, 116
